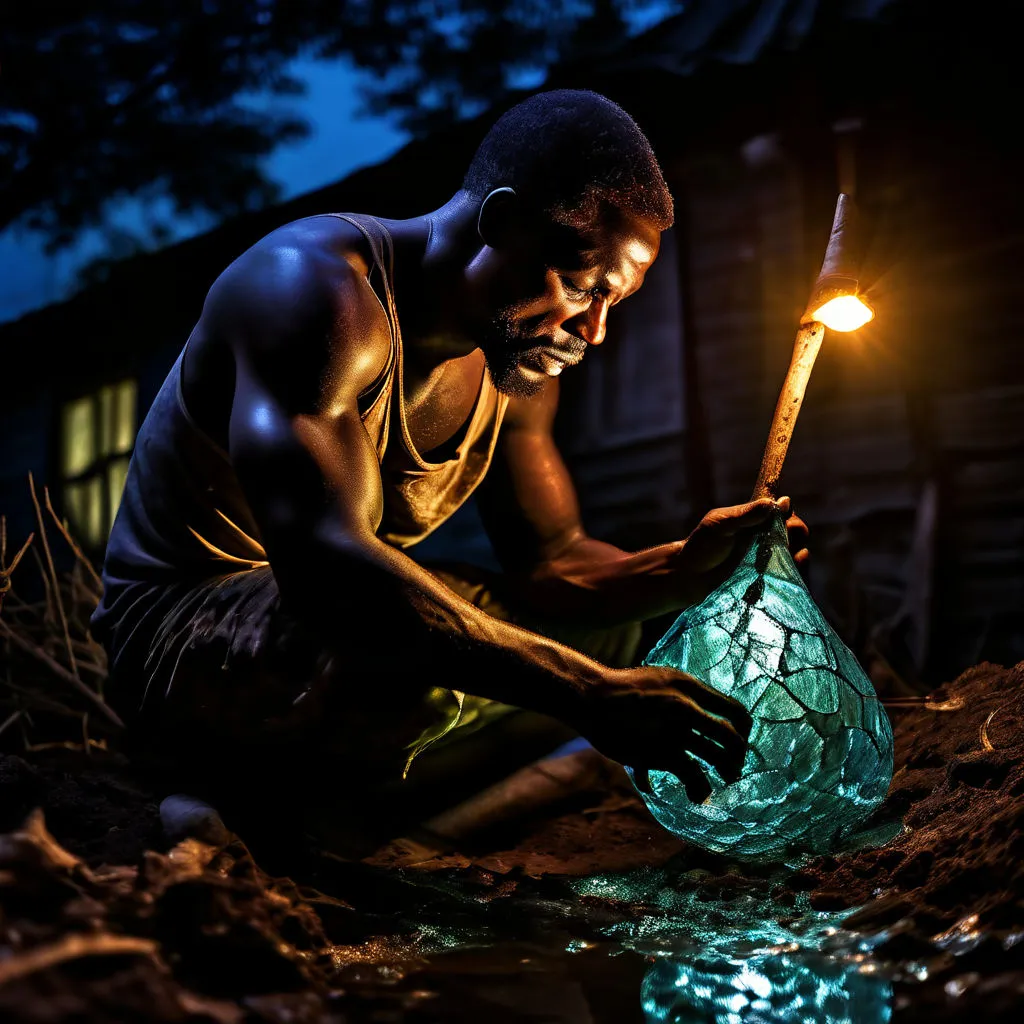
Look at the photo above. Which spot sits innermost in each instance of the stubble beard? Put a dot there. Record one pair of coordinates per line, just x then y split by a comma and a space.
505, 346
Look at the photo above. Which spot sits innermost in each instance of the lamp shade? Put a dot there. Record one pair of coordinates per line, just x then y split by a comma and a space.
839, 276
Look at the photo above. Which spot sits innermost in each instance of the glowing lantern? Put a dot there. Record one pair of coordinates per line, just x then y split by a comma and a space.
820, 753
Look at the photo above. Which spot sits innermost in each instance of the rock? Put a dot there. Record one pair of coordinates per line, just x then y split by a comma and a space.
826, 900
187, 817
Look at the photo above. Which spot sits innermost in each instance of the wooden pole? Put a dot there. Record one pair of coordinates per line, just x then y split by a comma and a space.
838, 276
805, 351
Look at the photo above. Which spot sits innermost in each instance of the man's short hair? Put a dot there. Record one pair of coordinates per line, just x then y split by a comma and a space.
572, 154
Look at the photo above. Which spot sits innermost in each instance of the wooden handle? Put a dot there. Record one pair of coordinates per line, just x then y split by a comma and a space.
805, 351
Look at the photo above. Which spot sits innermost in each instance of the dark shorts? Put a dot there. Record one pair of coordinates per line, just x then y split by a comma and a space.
224, 684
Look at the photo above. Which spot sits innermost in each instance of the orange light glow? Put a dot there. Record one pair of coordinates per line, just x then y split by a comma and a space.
844, 313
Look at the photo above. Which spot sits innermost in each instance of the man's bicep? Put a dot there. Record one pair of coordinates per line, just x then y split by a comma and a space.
305, 476
306, 339
528, 501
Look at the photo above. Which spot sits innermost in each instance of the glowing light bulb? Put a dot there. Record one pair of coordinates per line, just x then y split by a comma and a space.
844, 313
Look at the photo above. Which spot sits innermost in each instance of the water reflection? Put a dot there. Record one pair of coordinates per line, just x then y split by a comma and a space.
777, 987
742, 952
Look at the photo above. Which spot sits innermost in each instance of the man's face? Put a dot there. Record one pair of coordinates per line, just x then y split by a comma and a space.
548, 292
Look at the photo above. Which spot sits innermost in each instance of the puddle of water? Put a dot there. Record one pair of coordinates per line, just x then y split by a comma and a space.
732, 960
647, 948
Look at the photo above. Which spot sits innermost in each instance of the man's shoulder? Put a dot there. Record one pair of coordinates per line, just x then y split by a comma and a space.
324, 236
306, 275
298, 309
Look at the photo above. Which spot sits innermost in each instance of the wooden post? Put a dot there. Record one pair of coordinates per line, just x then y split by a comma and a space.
805, 351
838, 276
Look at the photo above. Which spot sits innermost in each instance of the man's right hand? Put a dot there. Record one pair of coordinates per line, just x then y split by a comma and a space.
653, 718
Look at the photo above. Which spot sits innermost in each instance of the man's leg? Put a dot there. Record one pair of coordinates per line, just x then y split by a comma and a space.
244, 708
492, 741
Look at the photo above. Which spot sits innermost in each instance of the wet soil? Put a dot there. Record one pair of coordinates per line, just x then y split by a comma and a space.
100, 920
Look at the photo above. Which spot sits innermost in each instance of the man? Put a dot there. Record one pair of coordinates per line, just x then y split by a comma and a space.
350, 382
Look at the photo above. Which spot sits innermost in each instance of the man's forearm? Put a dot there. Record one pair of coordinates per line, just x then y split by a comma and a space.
457, 644
600, 585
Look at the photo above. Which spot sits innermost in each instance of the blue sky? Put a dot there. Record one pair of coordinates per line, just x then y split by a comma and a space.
339, 143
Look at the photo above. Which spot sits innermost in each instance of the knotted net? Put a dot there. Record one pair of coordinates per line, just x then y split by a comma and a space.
820, 753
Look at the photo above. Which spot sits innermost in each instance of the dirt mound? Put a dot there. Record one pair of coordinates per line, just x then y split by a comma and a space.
959, 786
102, 922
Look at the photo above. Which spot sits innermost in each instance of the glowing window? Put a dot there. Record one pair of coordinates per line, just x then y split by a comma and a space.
97, 434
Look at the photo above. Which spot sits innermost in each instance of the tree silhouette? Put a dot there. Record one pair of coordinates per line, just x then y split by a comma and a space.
113, 98
453, 58
107, 99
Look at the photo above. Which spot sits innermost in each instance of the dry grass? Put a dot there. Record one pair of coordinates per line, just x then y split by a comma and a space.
53, 672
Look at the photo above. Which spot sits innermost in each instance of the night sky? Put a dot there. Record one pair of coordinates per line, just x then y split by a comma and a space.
339, 143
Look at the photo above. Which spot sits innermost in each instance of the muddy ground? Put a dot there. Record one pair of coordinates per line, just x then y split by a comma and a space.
101, 921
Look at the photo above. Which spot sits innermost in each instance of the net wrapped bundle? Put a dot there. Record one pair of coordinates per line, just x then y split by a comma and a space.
820, 754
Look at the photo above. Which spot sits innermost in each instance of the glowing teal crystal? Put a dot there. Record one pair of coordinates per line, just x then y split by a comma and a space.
820, 754
806, 987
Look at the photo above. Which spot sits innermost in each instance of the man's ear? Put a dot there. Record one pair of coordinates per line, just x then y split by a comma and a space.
497, 215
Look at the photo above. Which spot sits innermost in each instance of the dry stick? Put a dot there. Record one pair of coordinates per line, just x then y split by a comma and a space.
42, 703
63, 745
48, 614
25, 741
18, 557
35, 608
5, 574
536, 785
953, 704
94, 595
96, 670
71, 543
9, 720
805, 351
73, 947
53, 576
61, 672
81, 592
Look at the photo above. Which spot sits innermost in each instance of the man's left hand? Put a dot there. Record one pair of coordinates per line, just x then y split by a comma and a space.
711, 552
797, 531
